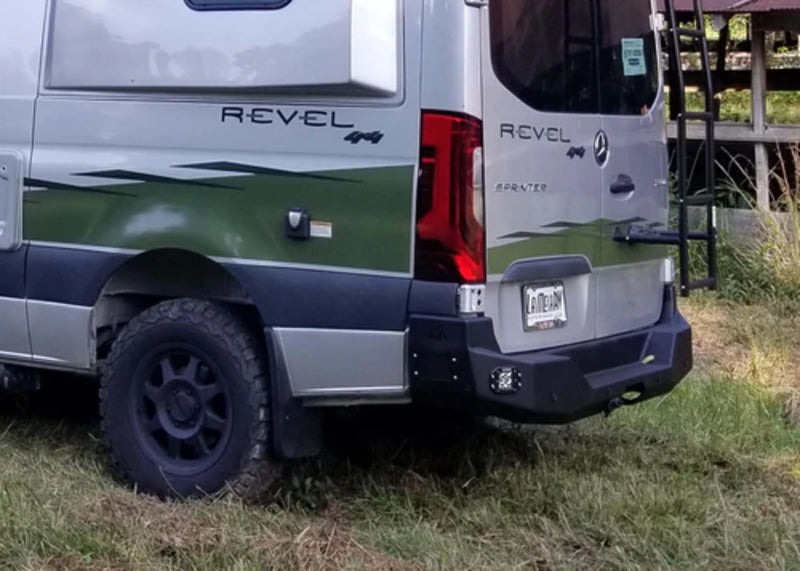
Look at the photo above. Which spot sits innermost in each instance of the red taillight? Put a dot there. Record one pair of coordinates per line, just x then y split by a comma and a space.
450, 230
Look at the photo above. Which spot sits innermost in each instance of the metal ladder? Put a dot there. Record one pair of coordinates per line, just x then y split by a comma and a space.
683, 236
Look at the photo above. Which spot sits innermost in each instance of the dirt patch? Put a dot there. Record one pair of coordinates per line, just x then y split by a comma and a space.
169, 526
173, 530
73, 563
329, 545
747, 342
713, 349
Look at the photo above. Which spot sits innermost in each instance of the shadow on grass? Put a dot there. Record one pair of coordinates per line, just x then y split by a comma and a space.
371, 452
408, 450
60, 420
392, 444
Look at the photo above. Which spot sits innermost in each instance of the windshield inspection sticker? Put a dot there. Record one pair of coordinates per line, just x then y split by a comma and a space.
633, 61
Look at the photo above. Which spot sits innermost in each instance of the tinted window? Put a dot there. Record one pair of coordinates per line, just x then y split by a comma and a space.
236, 4
577, 56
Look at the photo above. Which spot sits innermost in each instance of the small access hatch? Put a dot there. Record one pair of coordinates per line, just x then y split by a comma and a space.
10, 201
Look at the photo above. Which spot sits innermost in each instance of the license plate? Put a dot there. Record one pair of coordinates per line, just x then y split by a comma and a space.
544, 306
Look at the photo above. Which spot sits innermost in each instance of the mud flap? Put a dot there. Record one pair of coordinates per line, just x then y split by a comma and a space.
296, 430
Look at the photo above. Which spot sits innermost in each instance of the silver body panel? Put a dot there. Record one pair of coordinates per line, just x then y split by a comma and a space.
345, 364
629, 297
76, 135
62, 335
451, 42
621, 307
16, 344
20, 54
20, 58
347, 44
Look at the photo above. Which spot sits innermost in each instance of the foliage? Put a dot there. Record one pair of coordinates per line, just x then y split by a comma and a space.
783, 107
766, 267
738, 24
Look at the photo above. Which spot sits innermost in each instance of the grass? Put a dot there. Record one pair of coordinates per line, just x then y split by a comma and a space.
760, 273
705, 477
783, 107
763, 268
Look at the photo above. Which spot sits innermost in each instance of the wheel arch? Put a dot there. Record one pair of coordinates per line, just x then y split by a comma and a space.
158, 275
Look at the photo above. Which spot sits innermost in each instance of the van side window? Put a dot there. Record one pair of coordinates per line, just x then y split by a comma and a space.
576, 56
236, 4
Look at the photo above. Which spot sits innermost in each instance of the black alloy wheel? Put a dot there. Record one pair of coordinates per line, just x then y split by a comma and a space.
181, 408
184, 401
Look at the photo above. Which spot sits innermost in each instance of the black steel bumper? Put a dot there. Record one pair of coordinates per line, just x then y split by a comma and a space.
456, 363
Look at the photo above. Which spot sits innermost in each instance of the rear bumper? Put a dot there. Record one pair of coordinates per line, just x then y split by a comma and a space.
456, 362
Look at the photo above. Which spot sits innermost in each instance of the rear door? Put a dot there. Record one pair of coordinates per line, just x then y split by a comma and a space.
634, 187
574, 149
543, 200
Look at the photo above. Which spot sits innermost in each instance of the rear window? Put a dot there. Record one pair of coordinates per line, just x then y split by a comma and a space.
576, 56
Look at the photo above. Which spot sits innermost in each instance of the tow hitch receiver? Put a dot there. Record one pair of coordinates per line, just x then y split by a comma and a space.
633, 396
613, 405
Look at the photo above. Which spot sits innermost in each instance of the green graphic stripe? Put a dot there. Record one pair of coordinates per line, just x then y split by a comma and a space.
244, 217
594, 240
238, 216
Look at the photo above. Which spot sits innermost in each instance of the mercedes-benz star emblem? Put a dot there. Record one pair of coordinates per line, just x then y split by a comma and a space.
601, 148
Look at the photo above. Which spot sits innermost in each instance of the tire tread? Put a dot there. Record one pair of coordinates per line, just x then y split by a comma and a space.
256, 470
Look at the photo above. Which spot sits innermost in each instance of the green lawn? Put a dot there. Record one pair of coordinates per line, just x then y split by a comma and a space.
707, 477
783, 107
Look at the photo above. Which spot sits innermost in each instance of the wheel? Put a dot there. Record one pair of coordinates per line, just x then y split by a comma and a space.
184, 403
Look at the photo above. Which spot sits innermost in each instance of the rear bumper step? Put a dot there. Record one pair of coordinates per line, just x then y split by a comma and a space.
456, 363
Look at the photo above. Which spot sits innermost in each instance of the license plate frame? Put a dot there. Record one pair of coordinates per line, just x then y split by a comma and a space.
544, 306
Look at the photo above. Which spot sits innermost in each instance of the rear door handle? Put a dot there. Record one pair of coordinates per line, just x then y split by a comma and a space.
623, 185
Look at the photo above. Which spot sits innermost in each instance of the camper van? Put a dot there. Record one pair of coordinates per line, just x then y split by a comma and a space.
241, 214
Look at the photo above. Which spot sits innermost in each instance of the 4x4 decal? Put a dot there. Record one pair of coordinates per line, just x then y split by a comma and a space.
576, 152
356, 137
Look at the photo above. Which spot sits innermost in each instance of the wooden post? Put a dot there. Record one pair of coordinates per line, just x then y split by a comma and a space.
759, 112
722, 53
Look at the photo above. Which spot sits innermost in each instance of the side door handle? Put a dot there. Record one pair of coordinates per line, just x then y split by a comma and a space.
623, 185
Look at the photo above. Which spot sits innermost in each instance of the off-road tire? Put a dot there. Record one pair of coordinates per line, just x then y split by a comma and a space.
235, 362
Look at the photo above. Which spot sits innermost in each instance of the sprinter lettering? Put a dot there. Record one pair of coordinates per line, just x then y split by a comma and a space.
312, 118
533, 133
520, 187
